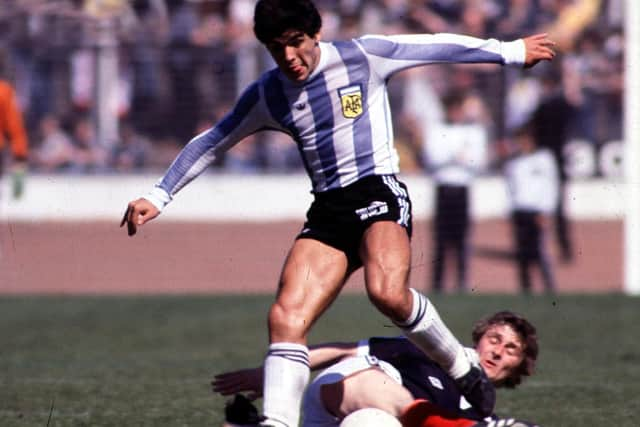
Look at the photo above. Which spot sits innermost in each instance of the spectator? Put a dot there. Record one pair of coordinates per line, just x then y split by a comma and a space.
89, 156
551, 122
131, 154
11, 124
182, 66
532, 181
519, 16
143, 45
55, 152
455, 152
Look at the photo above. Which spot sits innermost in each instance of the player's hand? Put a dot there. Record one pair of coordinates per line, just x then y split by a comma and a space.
138, 213
538, 48
245, 380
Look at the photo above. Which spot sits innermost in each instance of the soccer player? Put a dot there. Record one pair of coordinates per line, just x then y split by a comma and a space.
393, 375
331, 98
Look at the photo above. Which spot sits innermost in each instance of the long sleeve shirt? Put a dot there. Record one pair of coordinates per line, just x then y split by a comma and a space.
532, 182
339, 117
456, 153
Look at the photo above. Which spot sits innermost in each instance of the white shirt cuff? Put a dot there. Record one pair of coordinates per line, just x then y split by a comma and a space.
514, 52
158, 198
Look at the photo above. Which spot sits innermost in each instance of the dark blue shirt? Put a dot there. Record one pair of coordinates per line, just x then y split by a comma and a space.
423, 377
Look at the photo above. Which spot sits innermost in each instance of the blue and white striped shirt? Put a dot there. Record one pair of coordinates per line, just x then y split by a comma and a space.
339, 117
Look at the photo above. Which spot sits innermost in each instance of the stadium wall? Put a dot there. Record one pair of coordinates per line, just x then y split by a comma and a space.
257, 198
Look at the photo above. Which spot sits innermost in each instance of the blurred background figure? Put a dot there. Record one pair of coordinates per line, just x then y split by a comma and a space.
532, 181
182, 67
551, 124
455, 152
12, 129
54, 151
131, 152
89, 155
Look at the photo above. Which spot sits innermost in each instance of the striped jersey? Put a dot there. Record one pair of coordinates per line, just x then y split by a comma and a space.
339, 116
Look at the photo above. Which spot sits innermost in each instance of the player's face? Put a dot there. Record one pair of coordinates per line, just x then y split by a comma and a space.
501, 351
296, 54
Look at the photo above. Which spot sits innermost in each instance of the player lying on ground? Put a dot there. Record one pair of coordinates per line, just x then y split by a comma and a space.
393, 375
331, 98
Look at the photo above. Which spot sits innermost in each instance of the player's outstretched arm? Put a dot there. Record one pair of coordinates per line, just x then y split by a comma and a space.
243, 381
538, 48
138, 213
251, 380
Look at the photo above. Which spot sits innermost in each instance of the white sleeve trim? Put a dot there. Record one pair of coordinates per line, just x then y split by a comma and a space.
363, 348
514, 53
158, 198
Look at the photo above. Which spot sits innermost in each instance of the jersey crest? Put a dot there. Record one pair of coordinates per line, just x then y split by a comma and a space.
351, 101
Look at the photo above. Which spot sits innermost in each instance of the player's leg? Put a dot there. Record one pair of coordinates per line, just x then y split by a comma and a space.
370, 388
351, 384
386, 255
312, 276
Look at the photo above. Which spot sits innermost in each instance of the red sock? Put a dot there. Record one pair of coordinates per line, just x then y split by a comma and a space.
422, 413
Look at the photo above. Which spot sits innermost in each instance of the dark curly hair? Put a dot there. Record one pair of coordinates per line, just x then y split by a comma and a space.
273, 17
528, 335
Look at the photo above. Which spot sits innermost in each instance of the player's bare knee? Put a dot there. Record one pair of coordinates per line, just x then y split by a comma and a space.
287, 324
391, 301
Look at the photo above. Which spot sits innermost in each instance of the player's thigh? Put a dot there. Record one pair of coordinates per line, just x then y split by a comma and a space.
311, 278
386, 254
370, 388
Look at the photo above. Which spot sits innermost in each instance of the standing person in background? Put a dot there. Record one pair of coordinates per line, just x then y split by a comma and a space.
552, 120
455, 152
12, 127
532, 181
331, 98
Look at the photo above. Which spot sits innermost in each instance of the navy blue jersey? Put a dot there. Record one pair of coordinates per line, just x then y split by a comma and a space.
424, 378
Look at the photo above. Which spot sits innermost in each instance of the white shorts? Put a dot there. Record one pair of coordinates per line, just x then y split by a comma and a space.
314, 414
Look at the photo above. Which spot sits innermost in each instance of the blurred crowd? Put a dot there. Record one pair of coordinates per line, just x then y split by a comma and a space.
181, 63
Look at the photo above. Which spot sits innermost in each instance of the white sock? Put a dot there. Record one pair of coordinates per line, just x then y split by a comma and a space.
427, 331
286, 373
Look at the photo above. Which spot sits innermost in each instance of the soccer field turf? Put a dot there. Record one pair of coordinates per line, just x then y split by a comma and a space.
147, 361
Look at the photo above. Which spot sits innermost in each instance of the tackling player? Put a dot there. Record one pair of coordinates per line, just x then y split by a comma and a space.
393, 375
331, 98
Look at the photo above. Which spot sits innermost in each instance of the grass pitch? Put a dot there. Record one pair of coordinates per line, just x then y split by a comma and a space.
147, 361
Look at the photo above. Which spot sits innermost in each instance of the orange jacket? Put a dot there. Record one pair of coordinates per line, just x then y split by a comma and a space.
11, 122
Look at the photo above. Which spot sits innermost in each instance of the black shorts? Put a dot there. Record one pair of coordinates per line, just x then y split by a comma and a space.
340, 217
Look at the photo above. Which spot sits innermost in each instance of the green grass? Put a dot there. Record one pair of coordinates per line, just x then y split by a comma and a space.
148, 361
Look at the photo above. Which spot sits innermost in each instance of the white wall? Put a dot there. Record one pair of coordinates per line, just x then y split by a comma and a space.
257, 198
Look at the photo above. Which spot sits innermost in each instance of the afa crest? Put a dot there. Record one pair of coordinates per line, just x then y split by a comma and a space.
351, 101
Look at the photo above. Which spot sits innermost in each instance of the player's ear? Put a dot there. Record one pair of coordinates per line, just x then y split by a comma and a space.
317, 37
